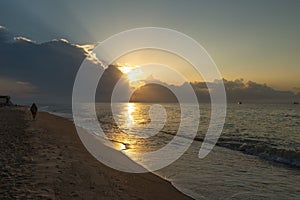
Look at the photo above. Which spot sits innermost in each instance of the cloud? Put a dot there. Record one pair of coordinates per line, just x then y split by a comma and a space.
50, 66
48, 71
20, 38
17, 89
296, 89
236, 90
5, 37
107, 83
22, 83
252, 91
88, 49
60, 40
64, 40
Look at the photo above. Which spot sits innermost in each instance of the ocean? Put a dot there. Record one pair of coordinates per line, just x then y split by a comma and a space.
256, 157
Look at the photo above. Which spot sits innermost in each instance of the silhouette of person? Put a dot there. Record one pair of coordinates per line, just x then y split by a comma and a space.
33, 110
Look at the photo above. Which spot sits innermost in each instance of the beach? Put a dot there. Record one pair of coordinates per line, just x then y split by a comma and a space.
44, 158
256, 156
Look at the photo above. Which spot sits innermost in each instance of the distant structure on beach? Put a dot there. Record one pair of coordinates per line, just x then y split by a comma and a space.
240, 102
5, 101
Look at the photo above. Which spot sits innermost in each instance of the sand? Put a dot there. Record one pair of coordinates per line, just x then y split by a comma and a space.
46, 159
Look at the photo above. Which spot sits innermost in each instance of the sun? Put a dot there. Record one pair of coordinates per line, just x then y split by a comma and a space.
134, 74
125, 69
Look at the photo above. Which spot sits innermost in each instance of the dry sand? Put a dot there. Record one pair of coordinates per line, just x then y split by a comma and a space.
46, 159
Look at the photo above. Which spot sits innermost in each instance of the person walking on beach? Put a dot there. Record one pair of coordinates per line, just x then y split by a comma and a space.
33, 110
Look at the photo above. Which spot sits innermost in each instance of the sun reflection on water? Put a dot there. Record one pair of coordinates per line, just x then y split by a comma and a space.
132, 122
119, 146
130, 116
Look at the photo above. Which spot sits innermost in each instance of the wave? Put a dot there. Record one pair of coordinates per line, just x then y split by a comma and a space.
267, 151
253, 146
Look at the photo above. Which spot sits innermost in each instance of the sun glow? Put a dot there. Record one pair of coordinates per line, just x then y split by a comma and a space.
125, 69
134, 74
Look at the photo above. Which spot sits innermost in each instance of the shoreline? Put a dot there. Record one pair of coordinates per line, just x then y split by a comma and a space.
62, 168
269, 156
64, 116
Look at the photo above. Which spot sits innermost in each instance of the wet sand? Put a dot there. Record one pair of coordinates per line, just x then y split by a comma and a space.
46, 159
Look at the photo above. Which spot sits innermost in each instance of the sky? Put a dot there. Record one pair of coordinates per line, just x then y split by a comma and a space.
255, 40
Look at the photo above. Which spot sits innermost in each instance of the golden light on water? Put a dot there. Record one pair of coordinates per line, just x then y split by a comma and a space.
130, 118
120, 146
123, 146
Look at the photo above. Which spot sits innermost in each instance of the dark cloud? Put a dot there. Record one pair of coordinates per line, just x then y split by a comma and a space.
16, 88
51, 67
4, 35
251, 91
47, 72
107, 84
153, 93
297, 89
237, 90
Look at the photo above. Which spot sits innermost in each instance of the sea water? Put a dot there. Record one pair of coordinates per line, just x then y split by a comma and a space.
256, 157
